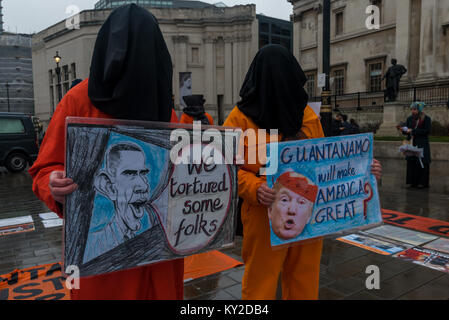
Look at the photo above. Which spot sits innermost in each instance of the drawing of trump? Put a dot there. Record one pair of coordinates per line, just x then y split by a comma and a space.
293, 205
123, 181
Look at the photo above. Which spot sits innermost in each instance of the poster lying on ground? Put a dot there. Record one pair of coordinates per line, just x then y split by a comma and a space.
441, 244
372, 244
143, 196
323, 187
426, 257
401, 234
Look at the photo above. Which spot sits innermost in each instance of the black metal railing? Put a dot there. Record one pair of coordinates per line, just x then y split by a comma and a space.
430, 94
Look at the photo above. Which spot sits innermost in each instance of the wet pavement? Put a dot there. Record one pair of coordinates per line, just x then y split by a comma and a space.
342, 265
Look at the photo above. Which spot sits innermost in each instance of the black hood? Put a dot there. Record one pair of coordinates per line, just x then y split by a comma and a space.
272, 93
195, 108
131, 70
195, 105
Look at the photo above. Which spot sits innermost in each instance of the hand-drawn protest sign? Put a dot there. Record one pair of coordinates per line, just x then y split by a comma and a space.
134, 206
323, 186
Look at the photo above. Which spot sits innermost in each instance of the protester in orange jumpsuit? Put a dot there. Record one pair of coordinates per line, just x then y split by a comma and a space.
273, 98
130, 78
195, 111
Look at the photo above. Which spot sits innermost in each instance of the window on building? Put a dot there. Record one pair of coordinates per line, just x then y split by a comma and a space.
66, 87
275, 29
339, 81
311, 84
263, 40
65, 77
339, 23
59, 90
52, 99
73, 70
50, 77
375, 72
286, 43
65, 71
195, 55
264, 27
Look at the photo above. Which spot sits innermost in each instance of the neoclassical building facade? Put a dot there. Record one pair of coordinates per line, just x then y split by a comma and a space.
214, 44
415, 32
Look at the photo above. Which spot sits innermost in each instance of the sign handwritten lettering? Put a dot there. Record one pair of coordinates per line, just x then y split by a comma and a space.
323, 186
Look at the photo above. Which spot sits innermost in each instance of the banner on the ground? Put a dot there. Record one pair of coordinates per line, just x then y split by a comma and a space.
138, 204
414, 222
323, 187
47, 282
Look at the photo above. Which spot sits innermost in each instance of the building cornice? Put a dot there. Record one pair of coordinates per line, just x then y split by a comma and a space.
362, 33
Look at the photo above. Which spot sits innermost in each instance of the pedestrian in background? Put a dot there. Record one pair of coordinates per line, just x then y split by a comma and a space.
355, 129
345, 128
336, 124
418, 127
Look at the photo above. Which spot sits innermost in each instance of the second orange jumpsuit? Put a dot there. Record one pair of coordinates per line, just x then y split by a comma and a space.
300, 264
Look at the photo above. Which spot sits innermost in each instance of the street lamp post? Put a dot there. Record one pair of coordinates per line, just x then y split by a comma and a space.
326, 103
57, 59
7, 94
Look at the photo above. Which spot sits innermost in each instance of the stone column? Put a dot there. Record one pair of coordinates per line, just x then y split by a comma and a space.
429, 31
228, 98
210, 79
235, 71
402, 51
180, 62
297, 20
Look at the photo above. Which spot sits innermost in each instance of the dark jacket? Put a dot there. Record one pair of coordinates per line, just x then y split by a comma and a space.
348, 128
421, 136
336, 127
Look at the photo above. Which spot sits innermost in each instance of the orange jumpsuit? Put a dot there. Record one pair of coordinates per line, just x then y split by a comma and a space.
299, 264
185, 118
159, 281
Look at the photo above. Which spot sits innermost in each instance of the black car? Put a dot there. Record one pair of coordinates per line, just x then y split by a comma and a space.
18, 141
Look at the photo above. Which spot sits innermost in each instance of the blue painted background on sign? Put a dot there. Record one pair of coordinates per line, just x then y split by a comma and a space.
155, 159
314, 159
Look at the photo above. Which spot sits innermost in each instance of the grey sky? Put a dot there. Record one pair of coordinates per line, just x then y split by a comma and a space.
27, 16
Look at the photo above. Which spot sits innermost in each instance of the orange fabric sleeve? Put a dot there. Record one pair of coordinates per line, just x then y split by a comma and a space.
247, 179
174, 117
186, 119
211, 120
311, 124
51, 156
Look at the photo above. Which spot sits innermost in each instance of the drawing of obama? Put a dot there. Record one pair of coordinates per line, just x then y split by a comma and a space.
125, 183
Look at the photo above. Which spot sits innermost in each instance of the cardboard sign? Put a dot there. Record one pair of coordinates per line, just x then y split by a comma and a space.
323, 186
144, 197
